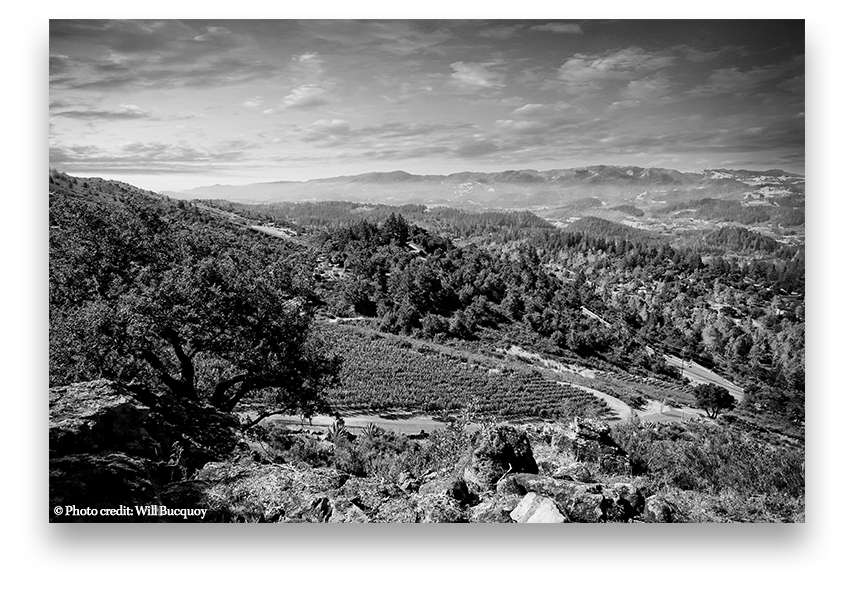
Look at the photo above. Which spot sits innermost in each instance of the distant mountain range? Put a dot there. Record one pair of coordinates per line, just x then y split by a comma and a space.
522, 189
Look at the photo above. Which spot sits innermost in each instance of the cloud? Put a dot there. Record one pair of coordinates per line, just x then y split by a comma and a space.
150, 156
534, 109
125, 112
253, 102
653, 88
474, 75
613, 65
740, 82
567, 28
476, 148
213, 33
396, 37
502, 32
151, 54
307, 96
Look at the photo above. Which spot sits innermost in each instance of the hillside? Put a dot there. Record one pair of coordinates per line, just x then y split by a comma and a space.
205, 323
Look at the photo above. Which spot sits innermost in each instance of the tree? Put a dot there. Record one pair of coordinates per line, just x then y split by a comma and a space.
209, 315
713, 399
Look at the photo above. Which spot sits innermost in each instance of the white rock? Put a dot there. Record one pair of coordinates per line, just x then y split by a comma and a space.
534, 508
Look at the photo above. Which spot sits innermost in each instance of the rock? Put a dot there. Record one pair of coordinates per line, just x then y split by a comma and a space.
495, 509
320, 511
537, 509
580, 503
106, 481
629, 500
97, 416
370, 495
409, 486
345, 511
397, 510
658, 510
188, 494
498, 450
434, 508
589, 440
453, 486
578, 472
252, 492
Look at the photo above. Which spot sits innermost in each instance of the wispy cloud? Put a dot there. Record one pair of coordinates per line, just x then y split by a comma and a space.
565, 28
124, 112
501, 32
397, 37
734, 80
474, 75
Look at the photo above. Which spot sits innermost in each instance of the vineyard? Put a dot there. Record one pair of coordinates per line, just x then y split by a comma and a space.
382, 373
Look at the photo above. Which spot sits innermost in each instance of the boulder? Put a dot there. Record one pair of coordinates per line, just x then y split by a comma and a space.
589, 441
97, 416
496, 509
578, 472
454, 487
629, 500
252, 492
534, 508
106, 481
320, 511
496, 451
581, 503
345, 511
397, 510
658, 510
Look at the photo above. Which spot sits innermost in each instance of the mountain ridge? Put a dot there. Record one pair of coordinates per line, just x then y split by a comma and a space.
594, 173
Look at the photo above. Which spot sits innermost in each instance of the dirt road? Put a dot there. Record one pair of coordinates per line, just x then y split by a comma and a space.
698, 374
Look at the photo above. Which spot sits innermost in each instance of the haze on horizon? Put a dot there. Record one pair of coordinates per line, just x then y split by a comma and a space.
171, 105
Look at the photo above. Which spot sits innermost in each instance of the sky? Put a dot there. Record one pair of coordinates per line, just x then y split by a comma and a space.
172, 105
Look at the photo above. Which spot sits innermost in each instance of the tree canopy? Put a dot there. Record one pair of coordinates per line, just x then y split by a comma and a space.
713, 399
153, 294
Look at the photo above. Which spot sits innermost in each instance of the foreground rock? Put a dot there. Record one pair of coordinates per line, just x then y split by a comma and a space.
580, 503
97, 416
497, 451
658, 510
585, 440
537, 509
108, 449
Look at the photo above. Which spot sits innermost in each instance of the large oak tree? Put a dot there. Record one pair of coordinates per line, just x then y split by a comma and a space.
156, 295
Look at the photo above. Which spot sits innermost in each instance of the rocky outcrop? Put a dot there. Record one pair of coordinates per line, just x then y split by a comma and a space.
107, 449
105, 481
98, 416
580, 503
497, 451
586, 440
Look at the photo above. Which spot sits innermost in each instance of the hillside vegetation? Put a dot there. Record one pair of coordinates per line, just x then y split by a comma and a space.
345, 307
